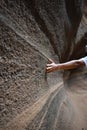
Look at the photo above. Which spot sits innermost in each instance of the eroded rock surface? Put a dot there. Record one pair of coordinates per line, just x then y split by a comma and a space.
31, 32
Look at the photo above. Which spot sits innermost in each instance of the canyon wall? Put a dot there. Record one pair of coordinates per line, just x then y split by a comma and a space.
31, 32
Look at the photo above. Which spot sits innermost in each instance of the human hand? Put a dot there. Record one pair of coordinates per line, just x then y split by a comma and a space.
51, 66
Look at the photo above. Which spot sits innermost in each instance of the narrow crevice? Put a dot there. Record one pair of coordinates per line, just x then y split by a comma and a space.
42, 25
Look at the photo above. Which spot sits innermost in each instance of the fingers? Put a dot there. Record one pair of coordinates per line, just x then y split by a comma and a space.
49, 69
49, 65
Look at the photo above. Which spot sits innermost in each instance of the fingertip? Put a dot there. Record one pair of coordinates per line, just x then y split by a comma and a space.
50, 61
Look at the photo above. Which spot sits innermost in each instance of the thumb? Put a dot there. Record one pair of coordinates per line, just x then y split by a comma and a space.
50, 61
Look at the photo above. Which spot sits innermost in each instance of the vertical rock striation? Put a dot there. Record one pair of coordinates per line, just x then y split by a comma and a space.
31, 32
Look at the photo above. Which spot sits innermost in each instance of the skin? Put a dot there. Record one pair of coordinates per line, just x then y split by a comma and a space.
52, 66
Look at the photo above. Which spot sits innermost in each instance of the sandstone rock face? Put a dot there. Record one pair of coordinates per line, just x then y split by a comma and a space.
31, 32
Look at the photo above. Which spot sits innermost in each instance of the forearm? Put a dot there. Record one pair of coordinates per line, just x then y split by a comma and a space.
64, 66
69, 65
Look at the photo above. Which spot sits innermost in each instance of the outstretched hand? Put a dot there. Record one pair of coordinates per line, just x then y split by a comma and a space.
51, 66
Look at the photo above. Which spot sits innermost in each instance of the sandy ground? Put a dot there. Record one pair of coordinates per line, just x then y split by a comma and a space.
21, 121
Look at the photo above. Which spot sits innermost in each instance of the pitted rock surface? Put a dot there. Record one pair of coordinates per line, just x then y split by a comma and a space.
31, 32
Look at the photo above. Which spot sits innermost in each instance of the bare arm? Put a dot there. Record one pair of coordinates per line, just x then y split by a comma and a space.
64, 66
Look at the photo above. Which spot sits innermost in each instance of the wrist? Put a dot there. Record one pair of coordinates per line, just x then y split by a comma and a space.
58, 67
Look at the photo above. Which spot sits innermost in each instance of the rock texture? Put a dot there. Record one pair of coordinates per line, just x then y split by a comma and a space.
31, 32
